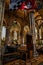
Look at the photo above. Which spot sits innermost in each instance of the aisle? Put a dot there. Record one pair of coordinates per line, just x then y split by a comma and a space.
33, 61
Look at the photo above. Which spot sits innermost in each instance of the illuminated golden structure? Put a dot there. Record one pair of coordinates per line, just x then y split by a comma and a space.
17, 23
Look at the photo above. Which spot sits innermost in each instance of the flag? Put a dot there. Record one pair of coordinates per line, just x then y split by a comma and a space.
22, 4
31, 4
15, 4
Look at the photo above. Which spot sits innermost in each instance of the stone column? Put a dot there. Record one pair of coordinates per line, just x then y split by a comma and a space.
32, 32
38, 34
1, 24
7, 34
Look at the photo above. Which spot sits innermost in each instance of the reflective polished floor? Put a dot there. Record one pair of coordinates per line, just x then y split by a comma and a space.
33, 61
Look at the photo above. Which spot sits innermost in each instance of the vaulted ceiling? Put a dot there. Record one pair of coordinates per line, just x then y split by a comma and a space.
20, 14
7, 2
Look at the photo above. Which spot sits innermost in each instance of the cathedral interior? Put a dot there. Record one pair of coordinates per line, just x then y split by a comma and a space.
14, 26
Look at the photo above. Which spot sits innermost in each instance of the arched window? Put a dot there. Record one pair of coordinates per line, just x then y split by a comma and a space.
15, 35
3, 33
15, 32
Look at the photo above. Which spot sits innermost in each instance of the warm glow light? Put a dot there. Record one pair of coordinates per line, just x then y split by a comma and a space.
36, 14
3, 32
39, 18
26, 29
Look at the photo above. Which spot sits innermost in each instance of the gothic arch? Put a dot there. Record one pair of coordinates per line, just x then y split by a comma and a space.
4, 22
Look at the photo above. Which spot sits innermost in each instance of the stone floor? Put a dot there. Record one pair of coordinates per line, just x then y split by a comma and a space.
33, 61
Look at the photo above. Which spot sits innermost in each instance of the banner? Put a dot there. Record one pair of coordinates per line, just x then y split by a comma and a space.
31, 4
22, 4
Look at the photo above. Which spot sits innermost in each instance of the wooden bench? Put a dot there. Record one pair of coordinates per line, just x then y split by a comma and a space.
10, 57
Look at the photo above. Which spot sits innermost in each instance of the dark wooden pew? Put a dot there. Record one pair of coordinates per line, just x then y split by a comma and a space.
10, 57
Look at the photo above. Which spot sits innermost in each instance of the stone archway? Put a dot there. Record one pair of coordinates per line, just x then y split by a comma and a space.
25, 31
15, 32
38, 22
4, 22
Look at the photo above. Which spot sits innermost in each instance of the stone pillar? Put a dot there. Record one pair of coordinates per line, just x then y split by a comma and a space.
38, 34
7, 35
32, 32
1, 23
30, 23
